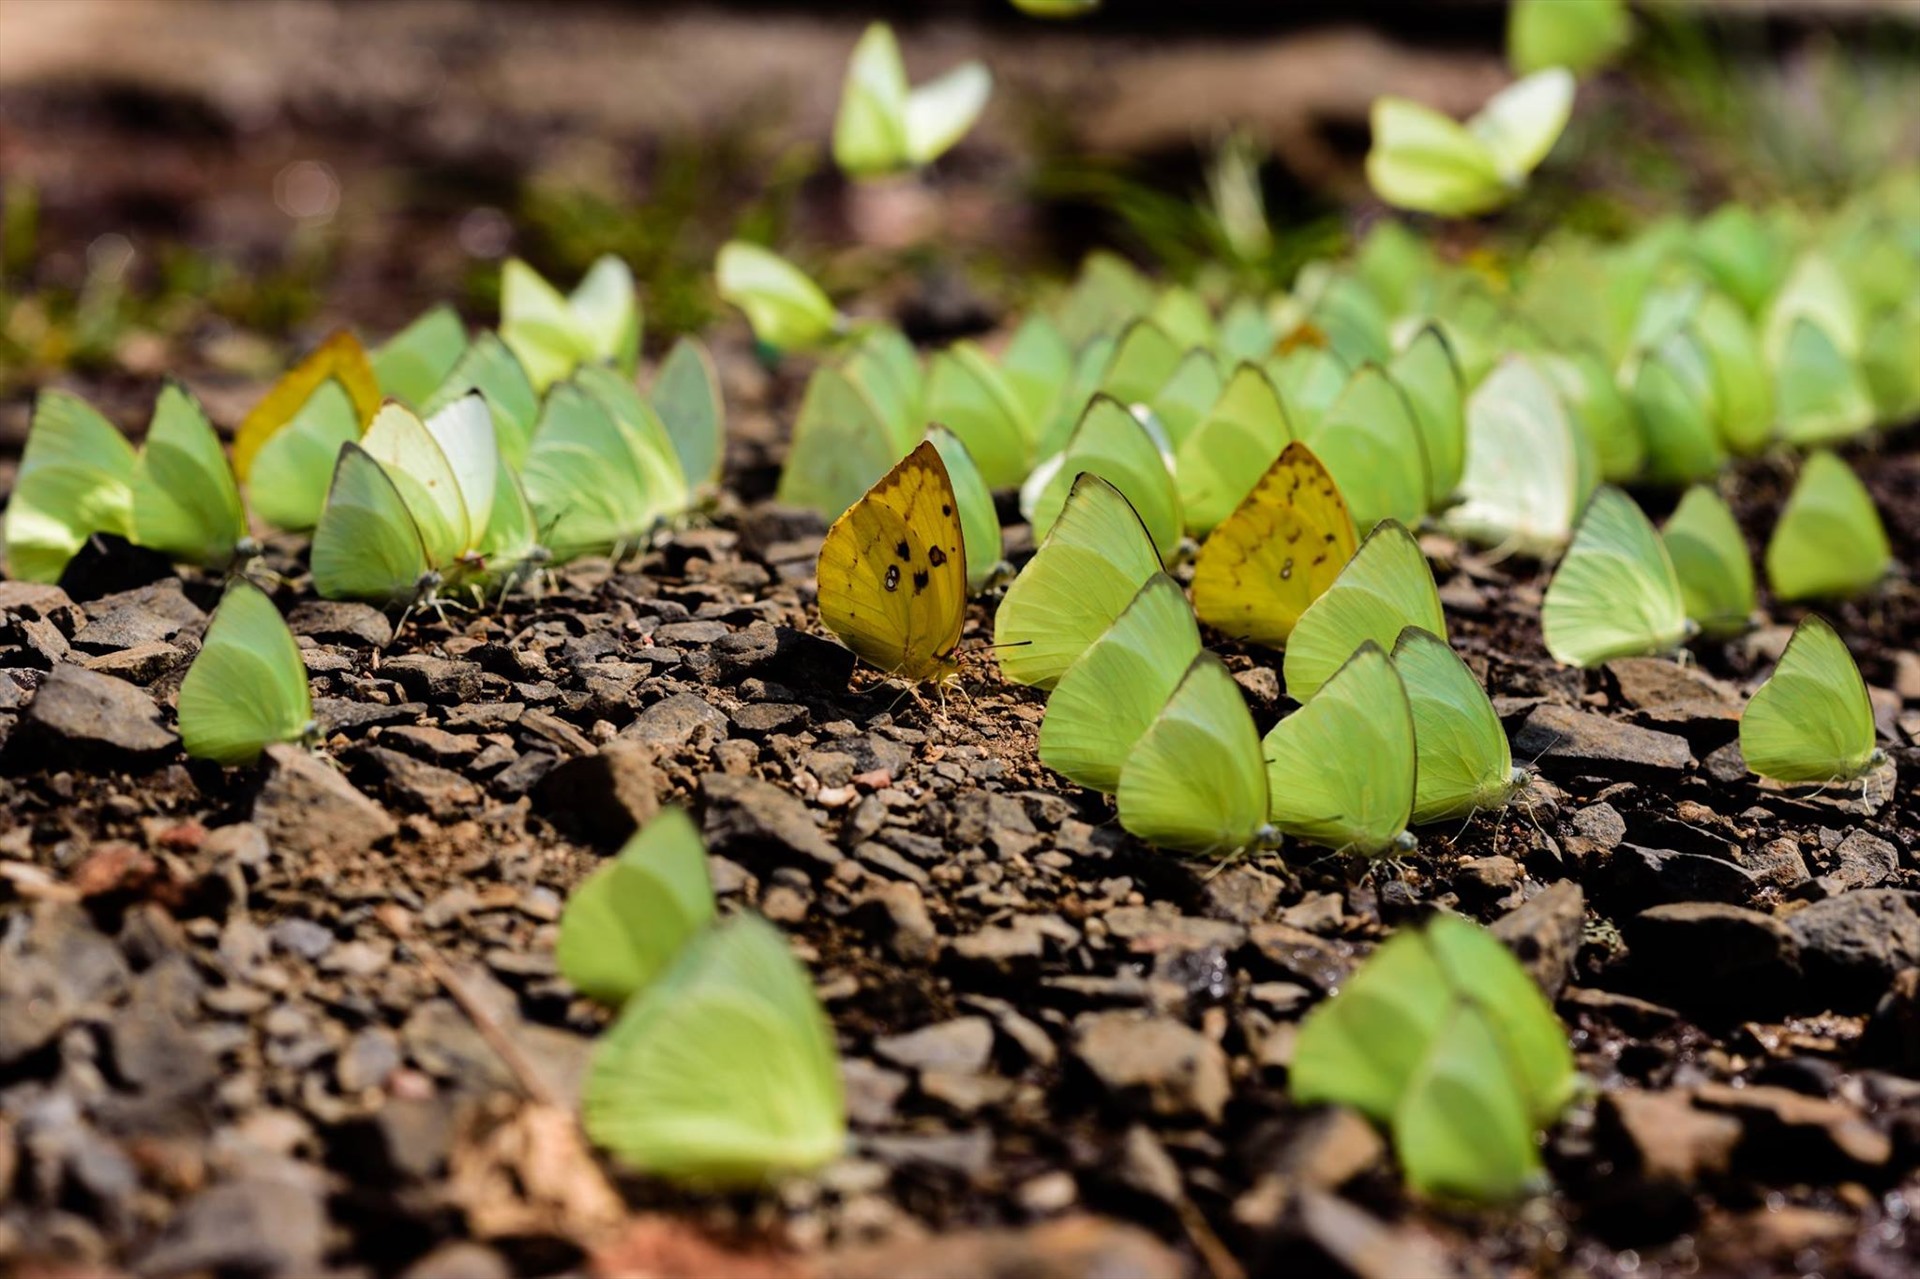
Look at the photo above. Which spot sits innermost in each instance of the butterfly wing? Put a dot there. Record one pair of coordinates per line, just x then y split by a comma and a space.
870, 135
1185, 397
623, 926
644, 436
1710, 559
1520, 124
418, 467
339, 359
724, 1070
512, 539
75, 480
686, 395
1430, 377
606, 313
1465, 763
491, 369
1141, 364
1370, 443
841, 445
1822, 394
1423, 161
1521, 486
1341, 770
287, 483
247, 687
1115, 690
978, 519
1281, 550
1383, 589
788, 311
1193, 780
1112, 443
1094, 560
969, 396
1037, 366
539, 326
588, 493
464, 432
1533, 1042
413, 363
366, 545
939, 112
185, 501
1829, 541
1363, 1047
1460, 1128
1615, 593
1238, 437
893, 571
1811, 721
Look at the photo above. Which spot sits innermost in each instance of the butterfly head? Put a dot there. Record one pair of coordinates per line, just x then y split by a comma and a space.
1405, 842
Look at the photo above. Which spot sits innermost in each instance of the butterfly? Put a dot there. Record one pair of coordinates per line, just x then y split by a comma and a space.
446, 470
723, 1070
648, 439
1036, 366
1341, 770
1370, 442
787, 310
1220, 461
1120, 448
1424, 161
597, 487
893, 571
286, 445
1194, 780
1813, 341
1116, 688
1465, 762
552, 335
186, 503
686, 396
1829, 542
1525, 476
510, 549
841, 444
491, 369
247, 687
1811, 721
1184, 398
1445, 1040
1676, 396
1740, 373
1580, 35
1598, 410
367, 545
1276, 554
412, 364
972, 397
1428, 374
886, 127
1095, 559
1383, 589
75, 480
978, 518
1142, 362
1710, 560
1615, 593
625, 923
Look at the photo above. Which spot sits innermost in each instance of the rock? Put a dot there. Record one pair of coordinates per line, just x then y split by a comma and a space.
968, 1154
681, 722
1778, 864
368, 1059
786, 656
1366, 1246
50, 973
1597, 828
408, 1139
1147, 1168
1329, 1147
153, 1053
1703, 954
141, 664
1321, 964
1800, 1135
1075, 1247
961, 1045
1483, 880
151, 614
1853, 944
1665, 692
757, 719
1002, 945
1727, 765
341, 622
460, 1259
1638, 877
1544, 933
606, 796
899, 915
414, 783
873, 1092
1560, 737
1663, 1138
37, 602
762, 826
270, 1222
1863, 860
307, 809
1165, 1066
443, 681
1241, 894
79, 717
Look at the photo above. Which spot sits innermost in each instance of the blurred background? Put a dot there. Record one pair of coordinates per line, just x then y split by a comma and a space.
195, 185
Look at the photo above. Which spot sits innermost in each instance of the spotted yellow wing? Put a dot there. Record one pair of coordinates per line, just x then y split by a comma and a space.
893, 571
1276, 553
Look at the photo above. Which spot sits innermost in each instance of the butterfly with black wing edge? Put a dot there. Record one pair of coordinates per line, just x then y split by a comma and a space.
892, 572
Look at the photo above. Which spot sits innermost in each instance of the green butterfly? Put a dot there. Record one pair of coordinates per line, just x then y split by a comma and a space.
596, 488
1223, 457
686, 395
285, 447
1117, 446
1526, 470
1710, 558
1465, 762
1599, 411
247, 687
1580, 35
491, 369
510, 551
883, 363
1430, 378
1141, 364
1677, 398
1184, 398
1107, 295
1821, 392
1385, 588
625, 923
841, 447
1371, 443
1829, 543
446, 470
1095, 559
787, 310
416, 360
552, 335
1615, 593
1424, 161
884, 126
1732, 347
1037, 365
1811, 721
1342, 770
1309, 379
1184, 316
75, 480
1245, 332
647, 436
1193, 781
186, 504
1115, 690
367, 545
979, 522
1444, 1039
722, 1071
976, 401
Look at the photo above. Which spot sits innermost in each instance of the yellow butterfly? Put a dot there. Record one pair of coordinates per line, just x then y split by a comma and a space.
893, 571
1279, 550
